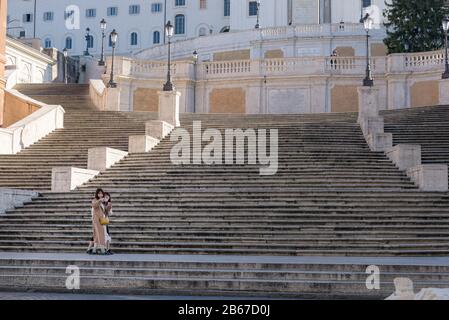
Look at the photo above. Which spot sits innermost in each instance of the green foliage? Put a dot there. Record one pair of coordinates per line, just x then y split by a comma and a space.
414, 25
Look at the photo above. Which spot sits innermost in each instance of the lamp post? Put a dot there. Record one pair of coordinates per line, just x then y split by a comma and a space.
257, 26
66, 53
195, 63
368, 24
87, 38
168, 86
103, 28
114, 36
446, 60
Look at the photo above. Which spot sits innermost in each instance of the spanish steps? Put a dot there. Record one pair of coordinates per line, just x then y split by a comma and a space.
331, 197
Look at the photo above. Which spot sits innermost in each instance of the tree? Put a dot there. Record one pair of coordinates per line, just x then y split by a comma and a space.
414, 25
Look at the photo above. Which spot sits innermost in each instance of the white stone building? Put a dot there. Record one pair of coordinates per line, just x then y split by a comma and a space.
140, 23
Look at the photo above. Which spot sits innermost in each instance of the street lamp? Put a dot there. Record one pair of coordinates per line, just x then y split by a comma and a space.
168, 86
446, 61
114, 37
103, 28
368, 24
87, 37
257, 26
195, 63
66, 53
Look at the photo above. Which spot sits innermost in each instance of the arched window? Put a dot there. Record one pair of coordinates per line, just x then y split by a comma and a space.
68, 43
202, 32
90, 42
134, 39
180, 21
47, 43
156, 37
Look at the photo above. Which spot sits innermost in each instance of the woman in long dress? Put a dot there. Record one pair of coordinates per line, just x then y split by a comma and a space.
107, 212
98, 229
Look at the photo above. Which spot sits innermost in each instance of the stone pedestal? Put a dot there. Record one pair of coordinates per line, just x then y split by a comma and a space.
158, 129
444, 92
368, 102
102, 158
405, 156
169, 107
65, 179
3, 11
372, 125
112, 102
141, 144
380, 141
430, 177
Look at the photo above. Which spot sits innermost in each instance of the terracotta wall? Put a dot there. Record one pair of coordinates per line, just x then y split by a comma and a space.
146, 99
16, 109
232, 55
344, 98
425, 93
3, 11
228, 100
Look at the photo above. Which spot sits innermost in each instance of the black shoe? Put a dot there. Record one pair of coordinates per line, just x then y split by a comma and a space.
90, 251
109, 253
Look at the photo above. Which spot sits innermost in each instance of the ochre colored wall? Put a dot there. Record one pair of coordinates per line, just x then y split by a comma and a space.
232, 55
16, 109
345, 51
146, 99
425, 93
378, 50
274, 54
344, 98
3, 11
229, 100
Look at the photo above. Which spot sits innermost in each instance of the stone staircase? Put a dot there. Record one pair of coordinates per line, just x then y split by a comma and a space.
84, 128
427, 126
332, 197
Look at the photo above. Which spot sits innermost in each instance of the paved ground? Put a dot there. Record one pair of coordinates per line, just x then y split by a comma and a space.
68, 296
416, 261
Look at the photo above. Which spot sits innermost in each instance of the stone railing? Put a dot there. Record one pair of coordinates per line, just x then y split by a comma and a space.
32, 128
301, 66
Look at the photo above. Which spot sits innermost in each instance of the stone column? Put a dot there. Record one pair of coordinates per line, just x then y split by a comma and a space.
3, 11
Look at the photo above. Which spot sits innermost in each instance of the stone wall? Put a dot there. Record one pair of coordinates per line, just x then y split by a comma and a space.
3, 11
232, 55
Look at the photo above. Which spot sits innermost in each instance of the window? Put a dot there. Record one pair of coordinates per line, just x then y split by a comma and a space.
48, 16
156, 37
203, 4
180, 3
134, 9
134, 39
180, 24
91, 13
68, 14
112, 11
27, 17
90, 42
202, 32
227, 8
366, 3
253, 8
68, 43
156, 7
47, 43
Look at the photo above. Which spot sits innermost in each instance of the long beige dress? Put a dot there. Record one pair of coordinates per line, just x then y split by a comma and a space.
98, 229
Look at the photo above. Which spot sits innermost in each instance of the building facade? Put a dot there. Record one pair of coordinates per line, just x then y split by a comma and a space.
140, 23
2, 55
